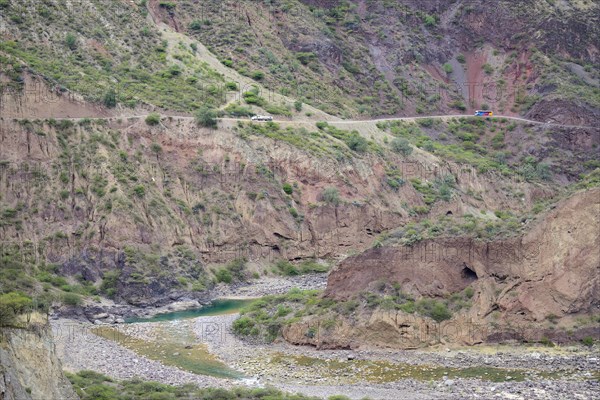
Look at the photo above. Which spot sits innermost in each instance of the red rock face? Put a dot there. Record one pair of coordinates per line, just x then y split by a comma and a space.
553, 269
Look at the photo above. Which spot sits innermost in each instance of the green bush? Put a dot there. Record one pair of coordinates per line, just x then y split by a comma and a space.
429, 20
153, 119
258, 75
402, 146
195, 25
434, 309
237, 110
588, 341
357, 143
71, 299
331, 196
288, 189
448, 68
223, 275
110, 98
243, 326
71, 41
287, 268
11, 305
206, 117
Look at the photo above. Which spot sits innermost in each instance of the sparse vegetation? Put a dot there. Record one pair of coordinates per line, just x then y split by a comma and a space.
91, 385
153, 119
331, 196
206, 117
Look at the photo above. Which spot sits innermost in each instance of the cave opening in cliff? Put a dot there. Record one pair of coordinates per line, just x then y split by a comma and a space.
468, 273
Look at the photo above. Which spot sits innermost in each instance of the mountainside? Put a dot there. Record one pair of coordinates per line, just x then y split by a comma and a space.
129, 169
349, 58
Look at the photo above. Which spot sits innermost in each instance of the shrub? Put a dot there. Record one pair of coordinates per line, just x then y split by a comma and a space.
287, 188
223, 275
169, 5
402, 146
11, 305
243, 326
357, 143
153, 119
298, 106
110, 98
237, 110
469, 292
206, 117
195, 25
139, 191
331, 196
448, 68
71, 299
461, 58
429, 20
258, 75
434, 309
71, 41
588, 341
287, 268
322, 125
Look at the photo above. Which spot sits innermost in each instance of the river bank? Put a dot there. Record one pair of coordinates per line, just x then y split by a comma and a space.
537, 373
106, 311
509, 372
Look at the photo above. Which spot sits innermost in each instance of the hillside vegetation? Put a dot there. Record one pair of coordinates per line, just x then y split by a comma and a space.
165, 190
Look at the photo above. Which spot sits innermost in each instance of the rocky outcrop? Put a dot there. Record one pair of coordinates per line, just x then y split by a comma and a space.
29, 367
548, 274
553, 268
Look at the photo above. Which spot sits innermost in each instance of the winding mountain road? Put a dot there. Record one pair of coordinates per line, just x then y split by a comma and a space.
340, 121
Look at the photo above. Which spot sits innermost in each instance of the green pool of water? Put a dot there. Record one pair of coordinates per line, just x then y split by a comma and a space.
172, 340
217, 307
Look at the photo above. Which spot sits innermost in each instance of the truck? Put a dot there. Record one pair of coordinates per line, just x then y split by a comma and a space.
262, 118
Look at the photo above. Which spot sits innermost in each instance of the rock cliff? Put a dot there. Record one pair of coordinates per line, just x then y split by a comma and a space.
29, 367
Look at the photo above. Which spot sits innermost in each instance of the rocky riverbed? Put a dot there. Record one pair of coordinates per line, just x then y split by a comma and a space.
535, 373
484, 372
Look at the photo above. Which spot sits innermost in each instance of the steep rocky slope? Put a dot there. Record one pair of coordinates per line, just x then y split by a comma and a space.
149, 210
544, 283
29, 367
410, 57
158, 206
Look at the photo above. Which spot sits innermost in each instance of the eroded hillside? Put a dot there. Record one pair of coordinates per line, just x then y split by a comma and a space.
111, 188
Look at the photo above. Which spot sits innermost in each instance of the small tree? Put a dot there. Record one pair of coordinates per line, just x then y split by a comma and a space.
207, 117
448, 68
71, 41
357, 143
331, 196
110, 98
402, 146
11, 305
